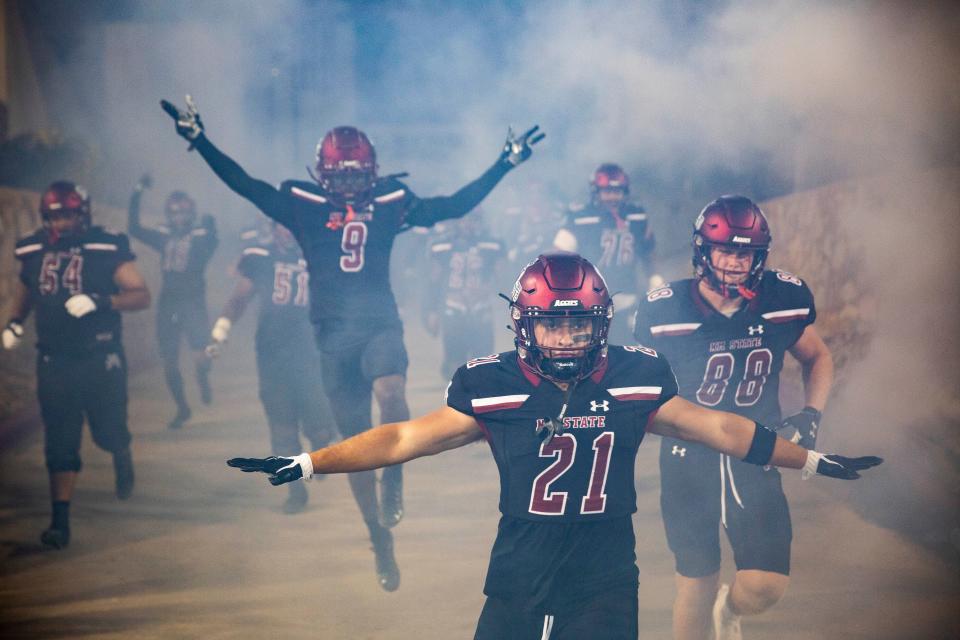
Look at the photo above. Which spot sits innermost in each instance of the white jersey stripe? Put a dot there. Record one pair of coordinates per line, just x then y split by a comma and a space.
255, 251
786, 314
27, 248
587, 220
547, 627
441, 246
103, 246
306, 195
390, 197
636, 393
495, 403
678, 329
636, 216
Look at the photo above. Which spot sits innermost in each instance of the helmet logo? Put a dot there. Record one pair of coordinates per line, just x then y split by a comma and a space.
741, 239
566, 303
515, 294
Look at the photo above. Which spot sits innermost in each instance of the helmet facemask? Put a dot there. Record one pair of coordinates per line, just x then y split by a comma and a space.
346, 165
720, 280
65, 200
570, 344
181, 212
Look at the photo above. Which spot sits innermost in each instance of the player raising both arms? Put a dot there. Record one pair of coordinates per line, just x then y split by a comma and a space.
564, 415
346, 221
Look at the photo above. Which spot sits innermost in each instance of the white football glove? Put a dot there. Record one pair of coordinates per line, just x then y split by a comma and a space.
80, 305
218, 336
12, 335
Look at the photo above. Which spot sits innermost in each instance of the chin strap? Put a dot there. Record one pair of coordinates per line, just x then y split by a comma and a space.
549, 427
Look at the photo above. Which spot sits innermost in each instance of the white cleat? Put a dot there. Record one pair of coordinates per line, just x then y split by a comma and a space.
726, 624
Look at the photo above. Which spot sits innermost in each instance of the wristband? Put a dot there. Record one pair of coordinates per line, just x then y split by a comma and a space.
761, 448
103, 302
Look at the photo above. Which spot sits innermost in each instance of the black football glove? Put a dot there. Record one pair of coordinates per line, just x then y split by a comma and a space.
280, 468
518, 148
189, 125
805, 426
835, 466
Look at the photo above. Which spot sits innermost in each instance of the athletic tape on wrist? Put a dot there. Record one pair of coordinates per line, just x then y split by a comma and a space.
810, 468
761, 448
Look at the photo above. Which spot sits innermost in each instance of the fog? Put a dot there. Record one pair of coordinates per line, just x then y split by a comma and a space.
694, 99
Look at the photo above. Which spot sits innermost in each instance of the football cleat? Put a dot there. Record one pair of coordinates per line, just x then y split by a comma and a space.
55, 538
388, 573
726, 625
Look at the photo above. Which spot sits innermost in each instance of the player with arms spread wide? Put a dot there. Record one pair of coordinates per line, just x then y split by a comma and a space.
563, 415
346, 221
727, 331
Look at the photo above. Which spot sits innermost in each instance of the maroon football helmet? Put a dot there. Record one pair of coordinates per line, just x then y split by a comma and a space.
733, 222
609, 176
61, 199
560, 285
178, 202
346, 163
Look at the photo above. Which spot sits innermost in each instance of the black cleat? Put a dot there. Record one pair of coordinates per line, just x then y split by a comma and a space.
183, 414
391, 498
123, 473
296, 499
388, 573
55, 538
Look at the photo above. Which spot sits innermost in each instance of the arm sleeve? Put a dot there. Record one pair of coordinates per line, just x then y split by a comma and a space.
425, 212
458, 396
150, 237
124, 253
263, 195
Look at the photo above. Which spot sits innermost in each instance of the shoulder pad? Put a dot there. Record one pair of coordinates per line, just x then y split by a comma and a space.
256, 251
585, 219
29, 244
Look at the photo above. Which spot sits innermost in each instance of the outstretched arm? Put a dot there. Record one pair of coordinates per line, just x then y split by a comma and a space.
742, 438
263, 195
150, 237
383, 446
426, 212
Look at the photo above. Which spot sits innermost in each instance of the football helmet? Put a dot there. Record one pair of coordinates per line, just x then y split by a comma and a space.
346, 163
561, 286
733, 222
178, 202
65, 199
609, 177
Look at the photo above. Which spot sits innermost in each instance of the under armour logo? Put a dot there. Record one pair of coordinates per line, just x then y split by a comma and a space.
757, 329
679, 451
594, 405
113, 361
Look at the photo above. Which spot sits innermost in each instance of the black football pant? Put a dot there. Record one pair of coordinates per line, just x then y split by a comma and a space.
175, 318
611, 615
291, 391
69, 388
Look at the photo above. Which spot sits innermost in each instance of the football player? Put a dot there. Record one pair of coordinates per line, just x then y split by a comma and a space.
185, 248
346, 220
463, 265
563, 414
727, 331
615, 235
79, 278
288, 363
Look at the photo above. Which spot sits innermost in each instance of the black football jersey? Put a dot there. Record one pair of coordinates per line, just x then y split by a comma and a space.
585, 472
281, 281
731, 364
613, 243
183, 257
53, 273
463, 268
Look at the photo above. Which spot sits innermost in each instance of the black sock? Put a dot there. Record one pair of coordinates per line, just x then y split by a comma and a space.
61, 515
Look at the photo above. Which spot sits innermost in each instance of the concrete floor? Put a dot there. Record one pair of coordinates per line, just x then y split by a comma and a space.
202, 551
